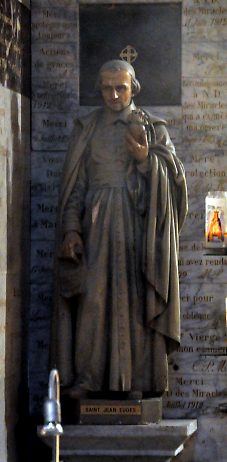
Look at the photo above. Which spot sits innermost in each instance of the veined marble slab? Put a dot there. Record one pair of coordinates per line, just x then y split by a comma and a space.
52, 24
38, 363
55, 60
199, 156
194, 225
196, 266
204, 21
204, 322
198, 369
41, 300
203, 307
193, 394
42, 266
173, 117
204, 59
55, 96
204, 115
46, 170
43, 217
207, 444
207, 176
51, 132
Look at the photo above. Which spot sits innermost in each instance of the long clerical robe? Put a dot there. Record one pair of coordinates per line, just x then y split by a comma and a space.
117, 313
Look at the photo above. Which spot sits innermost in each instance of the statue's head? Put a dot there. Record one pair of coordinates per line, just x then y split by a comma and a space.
118, 84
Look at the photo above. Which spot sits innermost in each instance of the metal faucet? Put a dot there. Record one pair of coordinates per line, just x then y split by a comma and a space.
52, 414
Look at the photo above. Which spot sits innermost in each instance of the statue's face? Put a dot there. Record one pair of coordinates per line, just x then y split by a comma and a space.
116, 89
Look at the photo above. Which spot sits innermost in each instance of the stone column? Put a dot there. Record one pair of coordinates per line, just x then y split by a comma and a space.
14, 206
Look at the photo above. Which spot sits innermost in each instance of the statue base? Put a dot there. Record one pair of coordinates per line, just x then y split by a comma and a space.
157, 442
125, 412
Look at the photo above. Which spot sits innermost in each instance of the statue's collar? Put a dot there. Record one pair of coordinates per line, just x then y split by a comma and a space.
110, 117
107, 116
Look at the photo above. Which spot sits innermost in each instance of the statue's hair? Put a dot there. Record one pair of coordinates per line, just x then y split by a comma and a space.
118, 65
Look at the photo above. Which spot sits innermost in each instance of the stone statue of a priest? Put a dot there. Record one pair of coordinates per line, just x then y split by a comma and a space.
122, 205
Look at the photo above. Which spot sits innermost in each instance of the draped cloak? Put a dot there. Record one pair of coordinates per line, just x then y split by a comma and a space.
128, 349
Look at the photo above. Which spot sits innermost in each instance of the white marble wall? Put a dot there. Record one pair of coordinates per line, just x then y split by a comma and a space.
198, 371
3, 260
14, 199
14, 204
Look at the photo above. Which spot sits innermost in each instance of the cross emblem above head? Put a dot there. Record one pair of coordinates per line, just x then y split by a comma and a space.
128, 54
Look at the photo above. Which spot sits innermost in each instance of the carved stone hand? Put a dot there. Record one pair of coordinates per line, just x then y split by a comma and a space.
137, 143
72, 247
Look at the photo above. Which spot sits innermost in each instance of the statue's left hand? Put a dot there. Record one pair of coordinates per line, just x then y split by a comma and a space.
72, 247
138, 148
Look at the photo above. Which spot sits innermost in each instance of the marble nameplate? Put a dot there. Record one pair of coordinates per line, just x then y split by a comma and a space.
96, 411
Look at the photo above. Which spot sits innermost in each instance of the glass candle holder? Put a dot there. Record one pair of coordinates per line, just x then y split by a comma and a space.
216, 220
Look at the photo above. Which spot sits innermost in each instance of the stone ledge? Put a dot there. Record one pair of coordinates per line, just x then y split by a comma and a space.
155, 442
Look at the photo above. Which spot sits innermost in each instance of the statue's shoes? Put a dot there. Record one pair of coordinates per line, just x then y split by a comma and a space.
75, 392
135, 394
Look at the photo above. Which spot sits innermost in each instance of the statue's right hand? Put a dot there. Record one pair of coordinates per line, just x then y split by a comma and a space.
72, 247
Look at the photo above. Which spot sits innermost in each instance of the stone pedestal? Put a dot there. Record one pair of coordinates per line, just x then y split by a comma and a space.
98, 412
158, 442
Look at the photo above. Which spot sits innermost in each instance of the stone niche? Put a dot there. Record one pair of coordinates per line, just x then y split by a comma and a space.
197, 124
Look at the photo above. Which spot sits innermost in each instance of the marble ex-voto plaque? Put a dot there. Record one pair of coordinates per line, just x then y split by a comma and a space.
146, 35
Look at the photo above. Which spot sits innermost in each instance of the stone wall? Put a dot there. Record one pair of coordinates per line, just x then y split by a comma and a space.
14, 209
198, 371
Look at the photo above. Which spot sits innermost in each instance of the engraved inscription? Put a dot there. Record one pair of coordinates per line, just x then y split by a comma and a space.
205, 112
111, 410
51, 132
205, 19
57, 61
54, 24
49, 96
